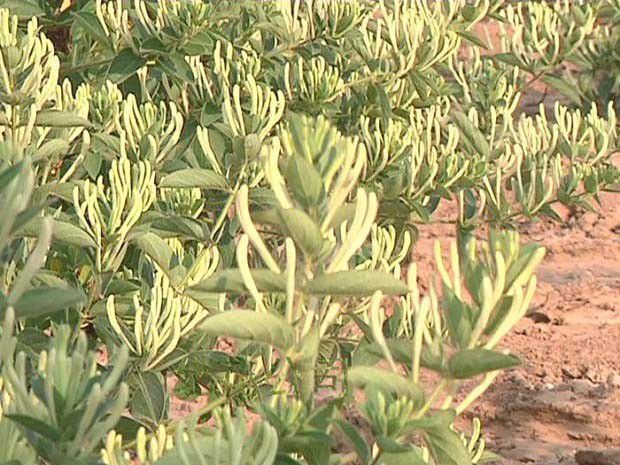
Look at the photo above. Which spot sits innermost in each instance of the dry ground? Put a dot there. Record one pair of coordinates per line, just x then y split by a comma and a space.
566, 395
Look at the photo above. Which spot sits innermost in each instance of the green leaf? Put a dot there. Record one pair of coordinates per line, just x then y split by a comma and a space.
313, 445
259, 327
174, 64
11, 173
51, 149
530, 256
125, 64
150, 400
308, 347
563, 86
90, 23
153, 45
507, 58
195, 177
402, 352
60, 119
302, 229
471, 362
472, 38
445, 444
180, 226
410, 457
32, 340
202, 451
25, 9
448, 448
231, 281
198, 44
62, 231
209, 300
355, 439
304, 181
390, 445
345, 212
92, 163
34, 425
45, 300
457, 321
385, 381
26, 216
157, 249
252, 145
358, 283
473, 136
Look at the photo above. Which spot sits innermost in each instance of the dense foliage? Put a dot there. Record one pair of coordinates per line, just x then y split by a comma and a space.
223, 196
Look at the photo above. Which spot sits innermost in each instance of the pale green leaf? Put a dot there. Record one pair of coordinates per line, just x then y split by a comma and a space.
60, 119
472, 362
356, 283
62, 231
259, 327
231, 281
302, 229
46, 300
195, 177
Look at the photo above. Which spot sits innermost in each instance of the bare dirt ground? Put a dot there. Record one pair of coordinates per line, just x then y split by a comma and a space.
566, 396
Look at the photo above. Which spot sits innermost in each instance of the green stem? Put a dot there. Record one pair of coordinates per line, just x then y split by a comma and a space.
64, 70
216, 233
429, 402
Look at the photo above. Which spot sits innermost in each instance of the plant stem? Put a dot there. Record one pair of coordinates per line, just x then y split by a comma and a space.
64, 70
431, 399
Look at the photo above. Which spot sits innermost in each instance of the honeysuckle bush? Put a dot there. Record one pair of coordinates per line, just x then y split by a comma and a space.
226, 194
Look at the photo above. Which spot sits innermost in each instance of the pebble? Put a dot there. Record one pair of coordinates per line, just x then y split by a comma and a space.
613, 380
598, 457
581, 386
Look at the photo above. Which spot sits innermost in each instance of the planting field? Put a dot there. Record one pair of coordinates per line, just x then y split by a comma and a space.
566, 396
309, 232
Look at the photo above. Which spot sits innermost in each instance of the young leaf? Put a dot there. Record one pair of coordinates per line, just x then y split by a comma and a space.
259, 327
231, 281
457, 321
358, 283
302, 229
304, 181
473, 136
471, 362
195, 177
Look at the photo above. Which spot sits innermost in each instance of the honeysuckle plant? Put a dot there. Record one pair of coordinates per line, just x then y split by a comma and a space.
224, 196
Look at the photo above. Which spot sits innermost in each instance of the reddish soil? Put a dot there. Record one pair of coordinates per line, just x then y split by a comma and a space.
566, 396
